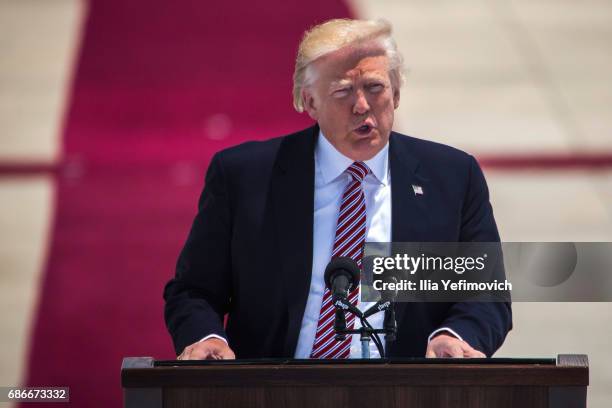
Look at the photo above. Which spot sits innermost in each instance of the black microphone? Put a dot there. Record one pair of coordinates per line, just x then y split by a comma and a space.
389, 323
340, 324
389, 294
387, 297
341, 276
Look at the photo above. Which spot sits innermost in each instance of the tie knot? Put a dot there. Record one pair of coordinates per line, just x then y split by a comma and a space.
358, 170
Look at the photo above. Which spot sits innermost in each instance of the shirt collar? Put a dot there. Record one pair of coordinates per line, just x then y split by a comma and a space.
332, 163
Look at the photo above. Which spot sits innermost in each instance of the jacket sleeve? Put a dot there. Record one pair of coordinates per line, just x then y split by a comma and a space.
483, 325
199, 295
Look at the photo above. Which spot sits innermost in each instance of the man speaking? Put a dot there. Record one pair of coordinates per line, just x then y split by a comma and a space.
273, 214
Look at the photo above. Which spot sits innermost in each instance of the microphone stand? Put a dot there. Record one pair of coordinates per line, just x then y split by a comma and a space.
366, 331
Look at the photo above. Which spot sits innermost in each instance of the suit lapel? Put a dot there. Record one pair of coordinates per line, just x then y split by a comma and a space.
408, 210
406, 206
292, 193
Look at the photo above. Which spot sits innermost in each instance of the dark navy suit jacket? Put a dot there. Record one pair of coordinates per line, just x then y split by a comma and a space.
249, 252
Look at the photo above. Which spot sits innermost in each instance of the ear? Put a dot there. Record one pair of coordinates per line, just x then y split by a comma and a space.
396, 98
309, 104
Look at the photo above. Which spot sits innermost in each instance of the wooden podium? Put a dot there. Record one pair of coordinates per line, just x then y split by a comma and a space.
495, 382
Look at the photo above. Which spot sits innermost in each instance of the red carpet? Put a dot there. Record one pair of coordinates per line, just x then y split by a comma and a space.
159, 87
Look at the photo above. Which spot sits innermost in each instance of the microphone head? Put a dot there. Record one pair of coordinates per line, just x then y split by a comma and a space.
389, 295
343, 265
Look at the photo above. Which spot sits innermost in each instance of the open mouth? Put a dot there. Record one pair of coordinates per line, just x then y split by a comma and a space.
363, 129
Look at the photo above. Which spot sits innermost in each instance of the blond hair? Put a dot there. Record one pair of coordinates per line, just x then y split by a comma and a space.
333, 35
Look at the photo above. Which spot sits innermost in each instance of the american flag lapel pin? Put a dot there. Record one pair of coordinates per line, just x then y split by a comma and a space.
418, 190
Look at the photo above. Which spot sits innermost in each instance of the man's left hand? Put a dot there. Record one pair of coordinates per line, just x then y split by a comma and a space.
444, 345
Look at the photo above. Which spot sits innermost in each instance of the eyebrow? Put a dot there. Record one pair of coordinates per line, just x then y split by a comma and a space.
341, 83
347, 82
374, 77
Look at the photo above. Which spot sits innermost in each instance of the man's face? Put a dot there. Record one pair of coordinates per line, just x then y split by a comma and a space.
353, 100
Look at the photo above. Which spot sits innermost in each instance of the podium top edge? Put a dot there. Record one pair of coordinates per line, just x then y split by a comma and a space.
562, 360
148, 362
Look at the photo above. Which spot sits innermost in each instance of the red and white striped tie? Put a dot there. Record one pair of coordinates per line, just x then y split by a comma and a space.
350, 237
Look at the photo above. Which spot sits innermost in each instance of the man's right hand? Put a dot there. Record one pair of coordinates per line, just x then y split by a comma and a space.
210, 349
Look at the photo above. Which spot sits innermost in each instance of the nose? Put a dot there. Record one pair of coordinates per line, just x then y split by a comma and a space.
361, 105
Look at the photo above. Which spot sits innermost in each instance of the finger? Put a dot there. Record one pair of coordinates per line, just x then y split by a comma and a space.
473, 353
223, 353
227, 354
469, 351
201, 353
455, 351
197, 351
465, 346
430, 353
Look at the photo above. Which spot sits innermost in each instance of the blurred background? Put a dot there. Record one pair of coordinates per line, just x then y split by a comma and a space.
111, 110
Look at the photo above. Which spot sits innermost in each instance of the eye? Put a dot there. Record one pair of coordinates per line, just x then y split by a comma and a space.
341, 93
375, 88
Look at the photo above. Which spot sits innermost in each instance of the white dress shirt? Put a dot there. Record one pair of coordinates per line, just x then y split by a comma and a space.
330, 182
